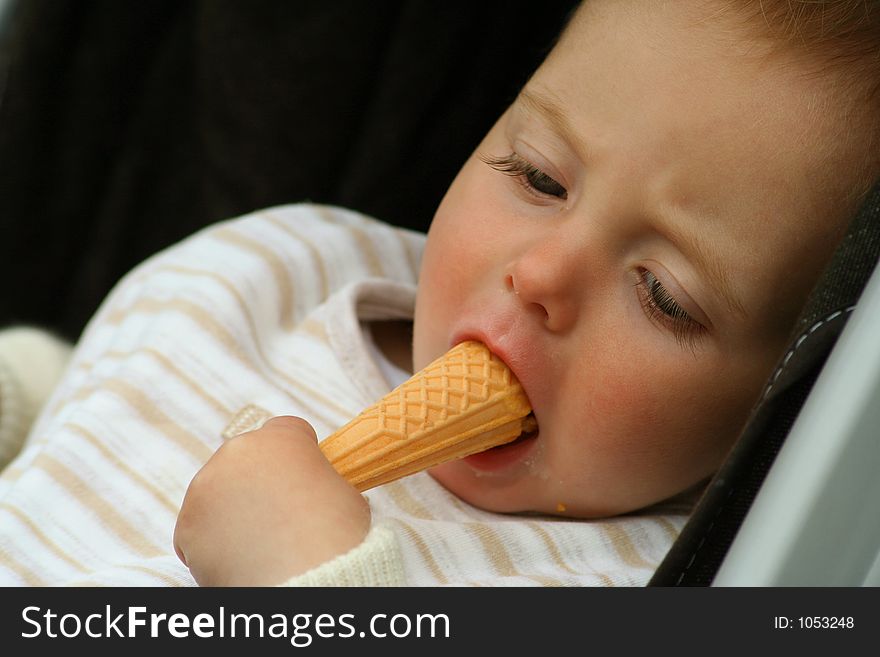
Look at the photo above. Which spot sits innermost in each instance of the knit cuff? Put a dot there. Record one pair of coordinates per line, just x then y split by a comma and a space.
375, 562
13, 423
31, 363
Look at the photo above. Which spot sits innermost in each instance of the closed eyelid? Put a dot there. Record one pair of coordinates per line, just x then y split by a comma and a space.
697, 247
699, 250
665, 281
550, 110
664, 310
517, 166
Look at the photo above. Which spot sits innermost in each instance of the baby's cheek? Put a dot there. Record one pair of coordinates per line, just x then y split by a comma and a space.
639, 418
623, 395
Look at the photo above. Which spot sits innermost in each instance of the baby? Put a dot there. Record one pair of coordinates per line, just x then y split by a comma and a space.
634, 238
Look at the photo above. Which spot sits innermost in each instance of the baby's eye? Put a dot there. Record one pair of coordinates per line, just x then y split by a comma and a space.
662, 307
531, 176
543, 183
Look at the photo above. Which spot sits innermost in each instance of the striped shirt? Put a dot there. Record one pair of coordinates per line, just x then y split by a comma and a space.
260, 314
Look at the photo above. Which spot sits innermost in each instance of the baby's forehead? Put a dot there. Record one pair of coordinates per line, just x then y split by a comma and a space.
723, 95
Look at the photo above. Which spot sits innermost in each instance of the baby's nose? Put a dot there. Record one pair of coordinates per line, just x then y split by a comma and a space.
546, 288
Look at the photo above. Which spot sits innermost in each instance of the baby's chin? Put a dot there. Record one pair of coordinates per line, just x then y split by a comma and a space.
530, 496
495, 493
480, 490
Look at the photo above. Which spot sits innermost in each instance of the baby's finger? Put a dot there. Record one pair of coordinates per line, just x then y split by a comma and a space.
291, 424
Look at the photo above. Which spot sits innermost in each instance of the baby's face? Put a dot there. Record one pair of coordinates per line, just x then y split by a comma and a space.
655, 207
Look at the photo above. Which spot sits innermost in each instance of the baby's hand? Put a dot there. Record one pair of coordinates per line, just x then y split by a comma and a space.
265, 507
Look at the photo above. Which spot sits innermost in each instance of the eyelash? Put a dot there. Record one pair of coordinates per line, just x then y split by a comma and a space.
658, 303
662, 308
532, 178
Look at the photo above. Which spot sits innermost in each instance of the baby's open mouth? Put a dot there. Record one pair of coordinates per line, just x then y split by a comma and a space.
529, 428
529, 431
498, 459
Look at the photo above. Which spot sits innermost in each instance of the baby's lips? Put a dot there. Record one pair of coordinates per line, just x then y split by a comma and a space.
465, 402
508, 337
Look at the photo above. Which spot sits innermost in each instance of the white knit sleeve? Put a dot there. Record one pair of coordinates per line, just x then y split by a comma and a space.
375, 562
31, 363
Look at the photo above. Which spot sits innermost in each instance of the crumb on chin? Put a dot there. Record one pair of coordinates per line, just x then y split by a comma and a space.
560, 507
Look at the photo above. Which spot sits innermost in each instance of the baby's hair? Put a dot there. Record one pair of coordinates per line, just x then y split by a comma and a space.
837, 40
841, 38
840, 35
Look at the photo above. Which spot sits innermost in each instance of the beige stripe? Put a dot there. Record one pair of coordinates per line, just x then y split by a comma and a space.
166, 362
232, 345
276, 266
200, 316
30, 577
409, 248
464, 508
499, 557
167, 579
494, 549
624, 546
368, 250
188, 381
543, 580
158, 420
423, 550
122, 466
42, 537
12, 472
217, 278
76, 395
87, 364
315, 329
226, 285
552, 548
606, 580
401, 496
148, 410
115, 317
112, 519
84, 391
492, 544
366, 244
670, 529
153, 572
323, 279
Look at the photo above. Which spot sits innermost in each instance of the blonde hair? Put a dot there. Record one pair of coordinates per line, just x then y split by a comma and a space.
837, 40
840, 36
840, 40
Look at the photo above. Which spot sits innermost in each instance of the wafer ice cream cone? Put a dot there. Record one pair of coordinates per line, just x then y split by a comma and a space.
464, 402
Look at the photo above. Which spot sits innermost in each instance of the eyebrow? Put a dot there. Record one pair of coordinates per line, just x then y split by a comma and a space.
690, 243
695, 246
554, 115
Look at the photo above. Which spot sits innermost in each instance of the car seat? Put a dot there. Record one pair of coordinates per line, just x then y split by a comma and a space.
127, 126
795, 501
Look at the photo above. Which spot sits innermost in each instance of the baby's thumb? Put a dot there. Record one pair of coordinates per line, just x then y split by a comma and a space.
293, 424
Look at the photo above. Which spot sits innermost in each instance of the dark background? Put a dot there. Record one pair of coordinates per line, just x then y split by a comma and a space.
125, 126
